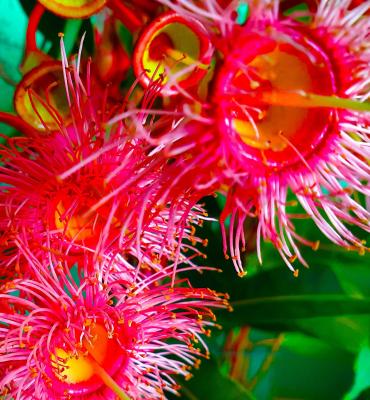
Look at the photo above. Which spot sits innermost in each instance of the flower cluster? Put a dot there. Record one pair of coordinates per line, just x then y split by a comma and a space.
264, 102
91, 303
279, 123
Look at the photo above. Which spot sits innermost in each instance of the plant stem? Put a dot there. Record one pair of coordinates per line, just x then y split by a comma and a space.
108, 380
33, 23
126, 15
310, 100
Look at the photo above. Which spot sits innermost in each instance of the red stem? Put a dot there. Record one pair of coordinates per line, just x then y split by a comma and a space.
125, 15
149, 6
33, 23
17, 123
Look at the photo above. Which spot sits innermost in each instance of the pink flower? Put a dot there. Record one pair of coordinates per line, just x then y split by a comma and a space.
286, 112
83, 187
86, 195
65, 336
101, 210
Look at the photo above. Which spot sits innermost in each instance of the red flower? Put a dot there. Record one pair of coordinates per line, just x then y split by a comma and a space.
286, 112
83, 336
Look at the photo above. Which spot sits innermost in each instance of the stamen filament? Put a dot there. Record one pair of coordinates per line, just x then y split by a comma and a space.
17, 123
311, 100
184, 58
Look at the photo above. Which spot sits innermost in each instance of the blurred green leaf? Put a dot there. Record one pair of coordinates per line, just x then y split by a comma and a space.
354, 279
209, 383
347, 332
314, 303
362, 376
287, 365
71, 34
13, 23
282, 308
309, 369
365, 395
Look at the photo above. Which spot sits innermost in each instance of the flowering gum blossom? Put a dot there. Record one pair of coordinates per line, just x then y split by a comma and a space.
279, 65
173, 46
73, 8
40, 98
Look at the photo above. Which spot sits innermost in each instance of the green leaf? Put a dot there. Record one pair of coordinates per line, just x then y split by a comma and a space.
348, 332
362, 368
309, 369
276, 365
315, 303
71, 34
281, 308
209, 383
13, 25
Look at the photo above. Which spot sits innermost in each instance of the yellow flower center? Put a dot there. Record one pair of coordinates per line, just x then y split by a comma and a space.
40, 97
174, 45
94, 363
76, 368
285, 72
74, 214
275, 97
173, 49
78, 226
